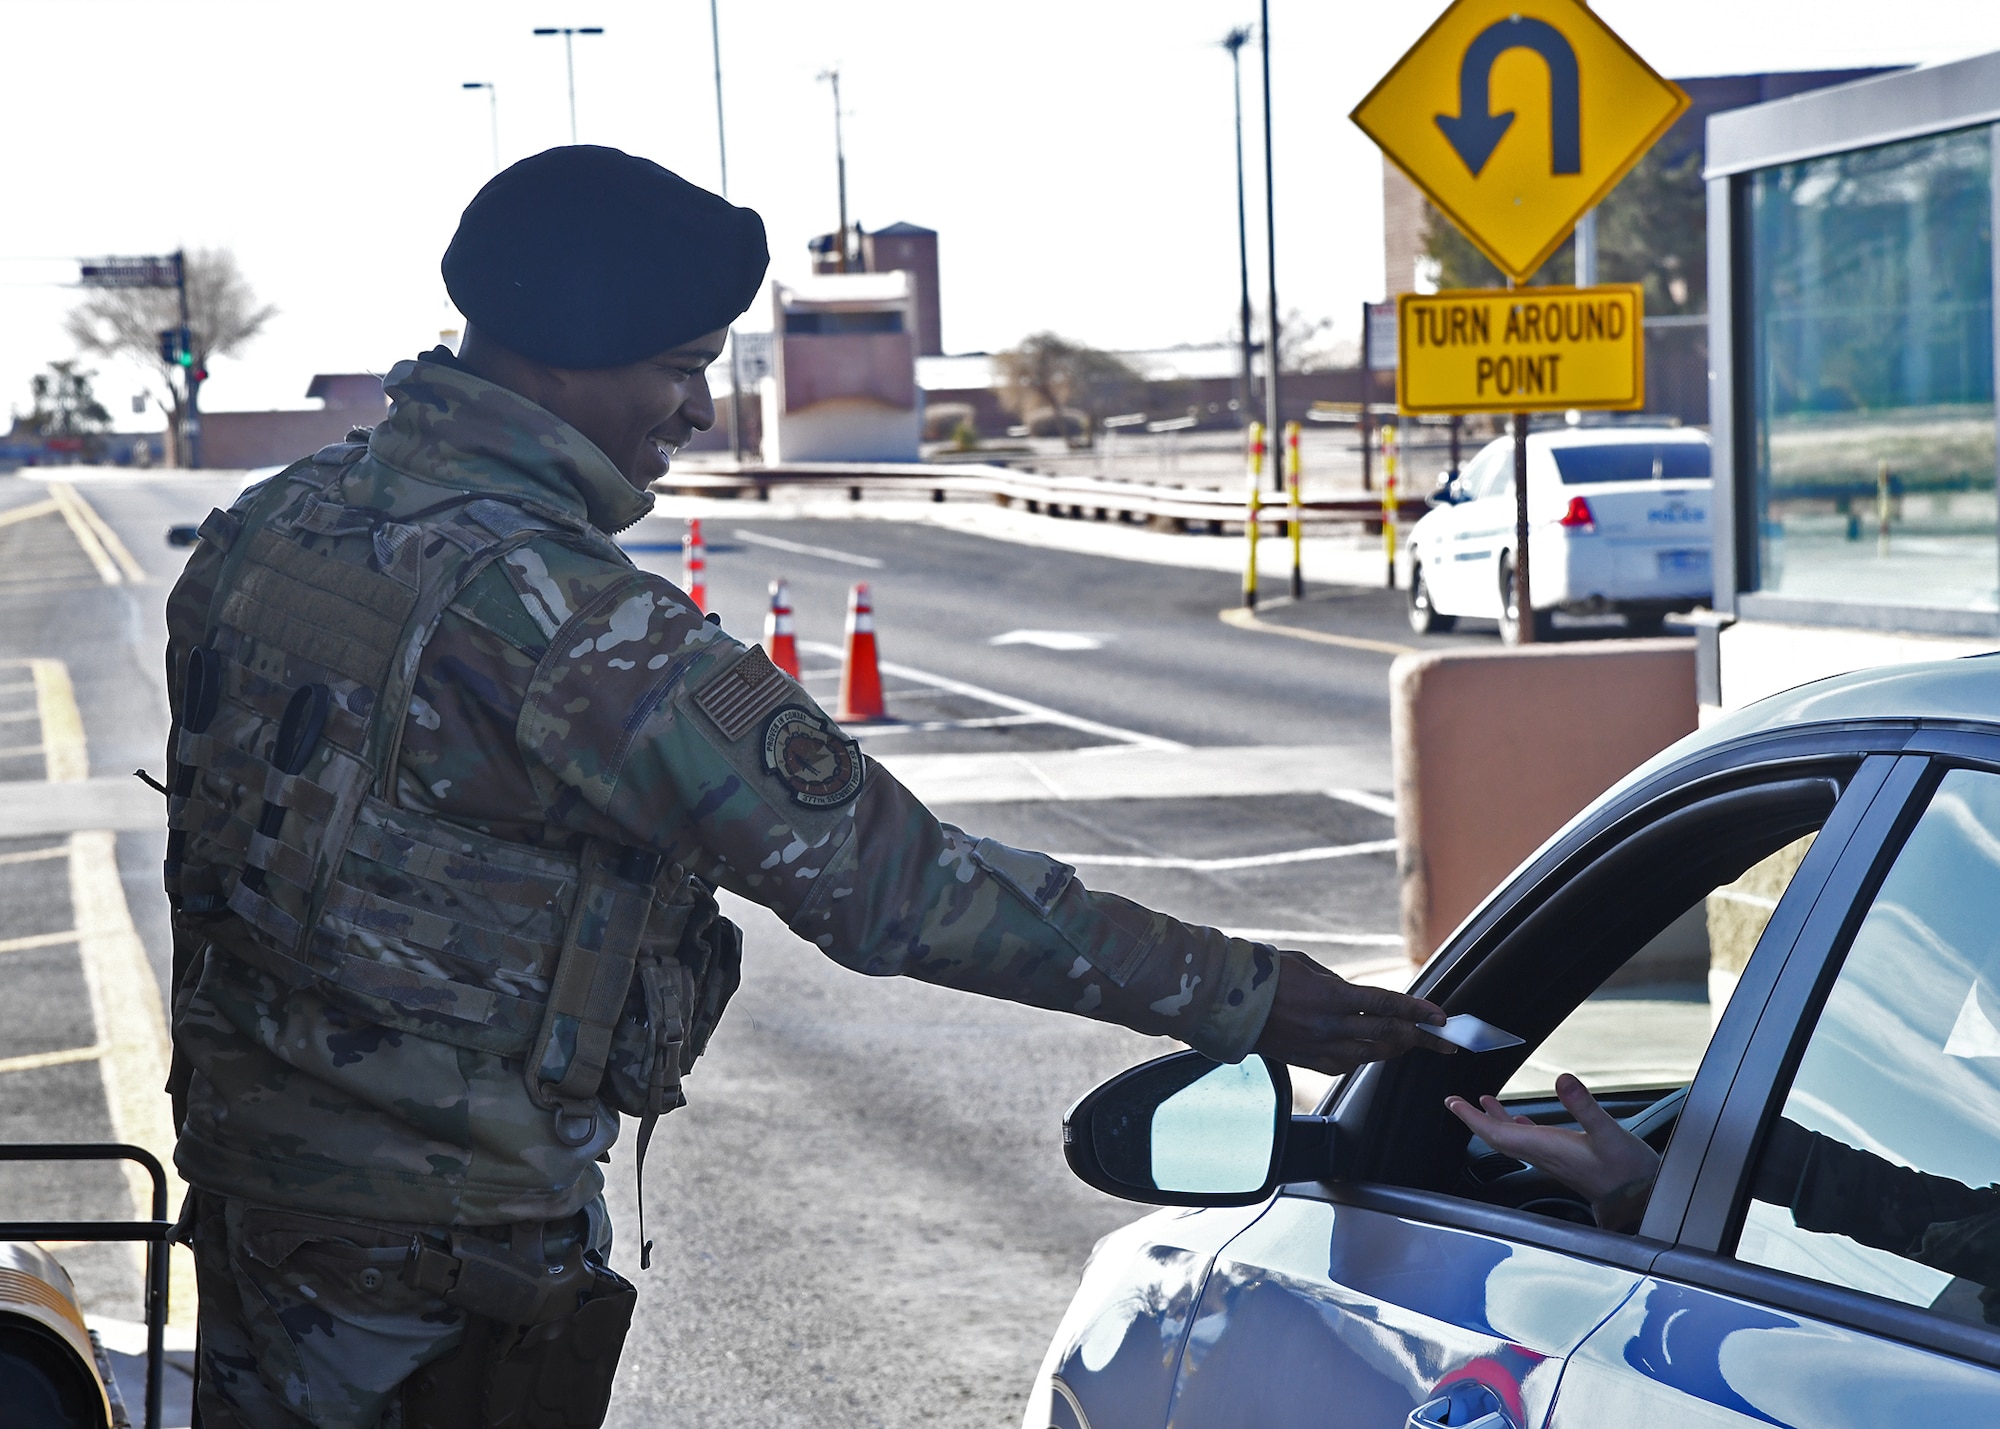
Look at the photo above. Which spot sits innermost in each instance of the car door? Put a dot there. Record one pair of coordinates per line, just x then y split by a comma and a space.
1427, 1272
1839, 1261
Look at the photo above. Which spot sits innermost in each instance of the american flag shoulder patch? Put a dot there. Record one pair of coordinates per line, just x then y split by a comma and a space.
744, 693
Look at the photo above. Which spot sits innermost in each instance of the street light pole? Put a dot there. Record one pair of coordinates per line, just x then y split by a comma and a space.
840, 159
569, 61
1234, 42
493, 114
1274, 421
722, 156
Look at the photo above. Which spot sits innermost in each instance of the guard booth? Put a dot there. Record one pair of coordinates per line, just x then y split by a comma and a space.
1851, 342
843, 379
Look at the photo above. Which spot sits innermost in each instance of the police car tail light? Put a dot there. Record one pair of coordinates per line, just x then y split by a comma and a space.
1578, 517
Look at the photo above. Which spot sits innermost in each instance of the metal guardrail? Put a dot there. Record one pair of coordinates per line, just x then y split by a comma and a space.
1077, 497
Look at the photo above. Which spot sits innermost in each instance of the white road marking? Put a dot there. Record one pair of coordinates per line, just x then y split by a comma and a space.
1293, 935
1362, 799
933, 726
800, 548
1228, 865
1052, 639
1008, 702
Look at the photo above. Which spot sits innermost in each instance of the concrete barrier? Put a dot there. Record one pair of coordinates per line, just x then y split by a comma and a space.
1495, 750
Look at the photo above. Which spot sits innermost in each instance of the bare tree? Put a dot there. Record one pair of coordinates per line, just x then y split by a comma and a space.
223, 315
1050, 380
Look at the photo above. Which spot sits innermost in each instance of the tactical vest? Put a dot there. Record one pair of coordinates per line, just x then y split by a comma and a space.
602, 973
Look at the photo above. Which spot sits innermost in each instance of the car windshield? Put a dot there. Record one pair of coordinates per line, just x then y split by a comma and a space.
1632, 461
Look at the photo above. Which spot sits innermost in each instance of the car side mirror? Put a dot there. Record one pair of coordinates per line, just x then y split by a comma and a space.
181, 536
1446, 491
1185, 1130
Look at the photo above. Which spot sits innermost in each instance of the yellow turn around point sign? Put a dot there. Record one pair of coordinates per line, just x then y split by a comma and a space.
1517, 116
1524, 350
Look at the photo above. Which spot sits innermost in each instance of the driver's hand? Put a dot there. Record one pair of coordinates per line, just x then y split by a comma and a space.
1598, 1159
1321, 1020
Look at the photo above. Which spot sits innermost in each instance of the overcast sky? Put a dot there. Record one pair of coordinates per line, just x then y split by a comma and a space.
1074, 155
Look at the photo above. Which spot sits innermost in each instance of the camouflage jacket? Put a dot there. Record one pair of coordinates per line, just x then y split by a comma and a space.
566, 696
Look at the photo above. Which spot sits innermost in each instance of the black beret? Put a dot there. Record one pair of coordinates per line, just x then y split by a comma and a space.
586, 257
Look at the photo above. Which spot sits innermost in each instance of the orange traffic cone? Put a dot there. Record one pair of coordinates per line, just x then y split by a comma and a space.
860, 676
779, 642
694, 565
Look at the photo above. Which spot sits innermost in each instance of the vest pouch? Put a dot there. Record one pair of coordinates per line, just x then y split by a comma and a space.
689, 966
566, 1062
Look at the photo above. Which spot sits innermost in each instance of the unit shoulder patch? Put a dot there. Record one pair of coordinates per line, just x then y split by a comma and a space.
742, 694
811, 757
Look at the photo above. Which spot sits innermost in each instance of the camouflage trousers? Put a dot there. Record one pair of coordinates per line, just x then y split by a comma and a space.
308, 1321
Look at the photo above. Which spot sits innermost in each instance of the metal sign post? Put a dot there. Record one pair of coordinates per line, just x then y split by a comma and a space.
1253, 513
1298, 525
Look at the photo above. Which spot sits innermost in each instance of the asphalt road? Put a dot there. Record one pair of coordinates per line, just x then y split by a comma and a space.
863, 1216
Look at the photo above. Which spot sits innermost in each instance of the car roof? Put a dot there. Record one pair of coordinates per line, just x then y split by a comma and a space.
1617, 436
1961, 691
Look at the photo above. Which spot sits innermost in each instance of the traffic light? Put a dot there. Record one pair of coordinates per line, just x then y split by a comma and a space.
197, 374
177, 347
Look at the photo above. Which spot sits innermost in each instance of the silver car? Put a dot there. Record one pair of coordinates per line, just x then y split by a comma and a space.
1774, 953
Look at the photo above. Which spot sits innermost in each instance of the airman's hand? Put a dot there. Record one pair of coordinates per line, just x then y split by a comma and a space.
1598, 1159
1321, 1020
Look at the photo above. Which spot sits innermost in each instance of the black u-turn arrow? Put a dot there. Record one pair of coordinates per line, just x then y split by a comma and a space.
1475, 133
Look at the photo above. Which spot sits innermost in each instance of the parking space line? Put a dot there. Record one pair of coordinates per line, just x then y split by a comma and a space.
35, 1061
31, 855
800, 548
1362, 799
37, 940
28, 512
1009, 702
1229, 865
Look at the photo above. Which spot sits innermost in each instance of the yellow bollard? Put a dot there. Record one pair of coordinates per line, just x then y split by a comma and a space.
1298, 522
1390, 445
1254, 504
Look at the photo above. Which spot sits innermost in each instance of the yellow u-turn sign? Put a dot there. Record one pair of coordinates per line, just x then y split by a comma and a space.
1521, 349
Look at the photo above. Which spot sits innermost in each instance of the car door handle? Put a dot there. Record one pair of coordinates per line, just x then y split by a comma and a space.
1463, 1410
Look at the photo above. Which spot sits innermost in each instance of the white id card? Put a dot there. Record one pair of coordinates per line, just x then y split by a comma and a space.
1474, 1034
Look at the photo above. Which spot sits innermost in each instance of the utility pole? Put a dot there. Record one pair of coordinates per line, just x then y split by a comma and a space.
1234, 42
1273, 419
832, 76
722, 157
569, 60
493, 115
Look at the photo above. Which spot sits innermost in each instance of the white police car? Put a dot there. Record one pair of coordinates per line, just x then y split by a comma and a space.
1618, 523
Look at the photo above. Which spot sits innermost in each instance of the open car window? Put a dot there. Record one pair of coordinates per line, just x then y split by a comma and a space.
1647, 1026
1617, 968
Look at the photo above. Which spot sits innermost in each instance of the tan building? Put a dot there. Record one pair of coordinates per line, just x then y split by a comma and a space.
247, 440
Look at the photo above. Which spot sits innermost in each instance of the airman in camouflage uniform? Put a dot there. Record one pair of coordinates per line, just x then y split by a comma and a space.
364, 1158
